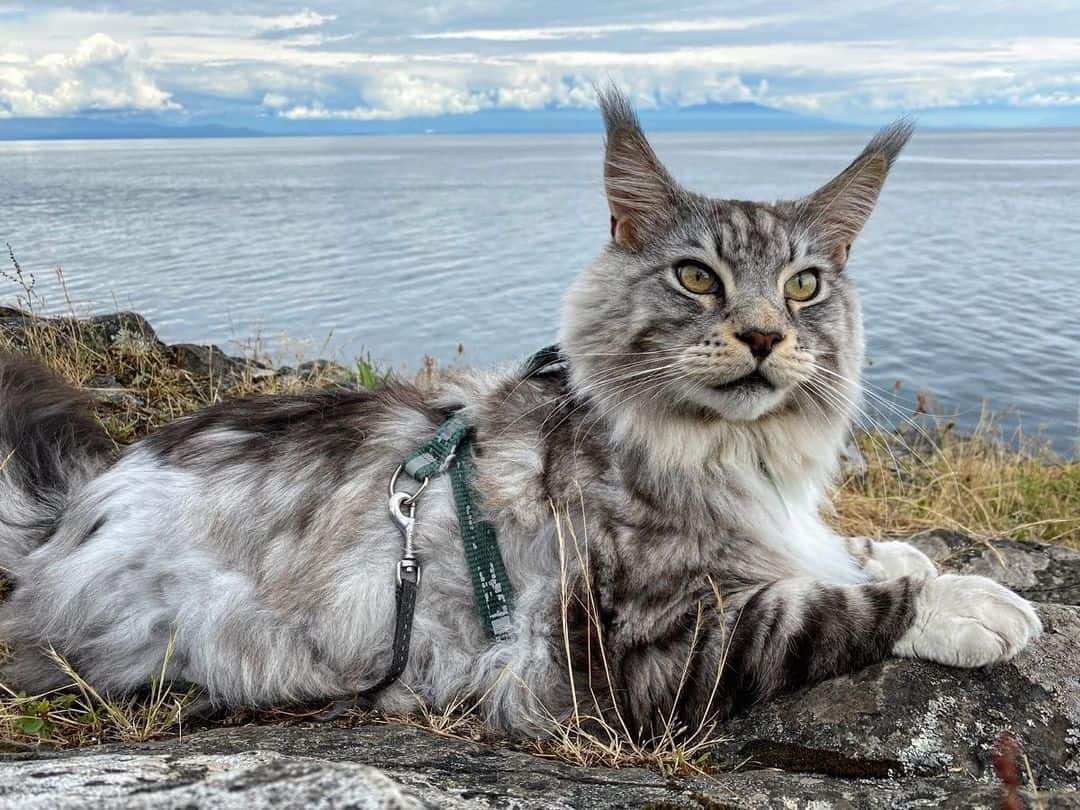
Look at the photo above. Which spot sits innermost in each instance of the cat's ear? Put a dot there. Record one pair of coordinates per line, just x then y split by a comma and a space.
837, 211
640, 192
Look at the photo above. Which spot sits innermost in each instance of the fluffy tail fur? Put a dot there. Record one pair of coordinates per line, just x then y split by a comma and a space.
50, 444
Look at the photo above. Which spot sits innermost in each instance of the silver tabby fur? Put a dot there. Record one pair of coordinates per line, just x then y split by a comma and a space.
688, 572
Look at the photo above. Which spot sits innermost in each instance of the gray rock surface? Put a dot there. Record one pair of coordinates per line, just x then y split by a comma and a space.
898, 734
1042, 573
243, 780
132, 333
323, 766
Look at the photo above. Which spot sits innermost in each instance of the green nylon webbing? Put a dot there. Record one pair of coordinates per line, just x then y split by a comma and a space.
449, 450
491, 585
434, 456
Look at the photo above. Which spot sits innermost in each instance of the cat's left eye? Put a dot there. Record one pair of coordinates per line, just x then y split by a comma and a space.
802, 286
697, 279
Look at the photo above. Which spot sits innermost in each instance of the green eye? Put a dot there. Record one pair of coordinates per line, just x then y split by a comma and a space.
697, 279
802, 286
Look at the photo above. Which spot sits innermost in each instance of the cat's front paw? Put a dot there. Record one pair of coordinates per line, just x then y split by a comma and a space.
889, 559
968, 621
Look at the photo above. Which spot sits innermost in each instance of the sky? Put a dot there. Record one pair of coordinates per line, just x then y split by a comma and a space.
185, 61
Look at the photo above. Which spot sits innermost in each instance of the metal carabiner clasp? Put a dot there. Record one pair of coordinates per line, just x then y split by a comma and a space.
402, 510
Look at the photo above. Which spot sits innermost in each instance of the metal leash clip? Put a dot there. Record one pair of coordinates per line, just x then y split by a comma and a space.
403, 511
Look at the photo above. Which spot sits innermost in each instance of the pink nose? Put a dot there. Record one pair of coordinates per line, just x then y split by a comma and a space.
760, 343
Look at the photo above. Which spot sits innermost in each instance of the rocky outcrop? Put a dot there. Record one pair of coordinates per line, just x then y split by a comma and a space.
384, 766
1041, 573
898, 734
132, 334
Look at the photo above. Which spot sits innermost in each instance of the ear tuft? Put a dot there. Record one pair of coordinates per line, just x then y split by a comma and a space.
838, 210
640, 192
888, 142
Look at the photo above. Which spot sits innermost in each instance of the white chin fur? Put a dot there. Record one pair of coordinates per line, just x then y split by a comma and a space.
968, 621
739, 406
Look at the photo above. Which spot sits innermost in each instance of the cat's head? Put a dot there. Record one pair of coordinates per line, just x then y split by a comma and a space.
721, 310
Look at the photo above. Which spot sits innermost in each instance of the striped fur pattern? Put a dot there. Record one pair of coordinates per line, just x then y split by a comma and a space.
657, 502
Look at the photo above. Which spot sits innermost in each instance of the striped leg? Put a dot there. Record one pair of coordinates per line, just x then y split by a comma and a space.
774, 638
694, 664
798, 631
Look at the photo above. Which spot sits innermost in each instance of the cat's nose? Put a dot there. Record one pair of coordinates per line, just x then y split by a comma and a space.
760, 343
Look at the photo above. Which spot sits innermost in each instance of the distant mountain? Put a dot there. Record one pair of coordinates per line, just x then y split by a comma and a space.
51, 129
982, 116
993, 116
252, 121
565, 119
705, 117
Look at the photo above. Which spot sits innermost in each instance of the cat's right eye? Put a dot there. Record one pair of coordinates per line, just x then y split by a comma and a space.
697, 278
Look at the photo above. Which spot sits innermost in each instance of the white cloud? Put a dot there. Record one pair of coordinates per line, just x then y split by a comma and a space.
99, 74
400, 94
275, 101
376, 62
596, 31
428, 89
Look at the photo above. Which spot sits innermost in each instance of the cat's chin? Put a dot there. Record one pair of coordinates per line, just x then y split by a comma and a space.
741, 403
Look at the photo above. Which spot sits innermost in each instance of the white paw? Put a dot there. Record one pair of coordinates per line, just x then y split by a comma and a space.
891, 559
968, 621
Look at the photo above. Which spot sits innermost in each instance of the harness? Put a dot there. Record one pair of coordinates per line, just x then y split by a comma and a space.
450, 451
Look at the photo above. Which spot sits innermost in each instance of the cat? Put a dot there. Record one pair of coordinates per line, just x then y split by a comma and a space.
656, 500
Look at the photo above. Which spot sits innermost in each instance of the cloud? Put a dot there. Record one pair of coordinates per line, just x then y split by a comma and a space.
99, 74
601, 30
401, 94
430, 89
275, 101
372, 61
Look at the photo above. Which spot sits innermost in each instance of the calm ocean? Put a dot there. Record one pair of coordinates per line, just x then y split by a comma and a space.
405, 246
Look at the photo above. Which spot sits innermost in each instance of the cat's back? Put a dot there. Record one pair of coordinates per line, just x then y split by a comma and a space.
326, 425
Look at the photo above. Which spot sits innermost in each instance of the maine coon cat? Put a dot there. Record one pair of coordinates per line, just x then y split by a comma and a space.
656, 500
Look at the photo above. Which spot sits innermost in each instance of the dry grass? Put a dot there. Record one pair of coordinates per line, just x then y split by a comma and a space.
979, 484
78, 715
155, 390
924, 478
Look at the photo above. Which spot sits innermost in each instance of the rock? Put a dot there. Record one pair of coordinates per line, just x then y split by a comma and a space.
103, 381
127, 330
324, 370
419, 769
106, 388
315, 765
132, 335
1042, 573
207, 361
249, 779
321, 371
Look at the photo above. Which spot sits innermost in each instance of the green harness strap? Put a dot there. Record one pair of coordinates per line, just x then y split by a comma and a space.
450, 450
